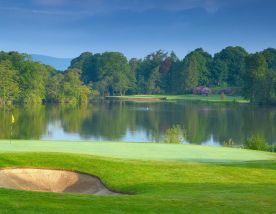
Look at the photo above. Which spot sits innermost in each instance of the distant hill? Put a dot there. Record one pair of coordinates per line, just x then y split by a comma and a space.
58, 63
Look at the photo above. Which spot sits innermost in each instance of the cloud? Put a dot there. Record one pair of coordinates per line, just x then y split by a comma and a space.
111, 5
49, 2
91, 7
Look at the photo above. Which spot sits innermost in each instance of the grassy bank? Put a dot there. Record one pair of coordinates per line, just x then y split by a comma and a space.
210, 98
165, 183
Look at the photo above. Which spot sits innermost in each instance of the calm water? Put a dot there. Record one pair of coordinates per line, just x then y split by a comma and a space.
140, 122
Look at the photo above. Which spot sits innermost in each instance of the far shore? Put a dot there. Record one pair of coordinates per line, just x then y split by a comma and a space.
158, 98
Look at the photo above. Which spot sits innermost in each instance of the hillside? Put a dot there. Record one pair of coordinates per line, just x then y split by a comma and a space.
58, 63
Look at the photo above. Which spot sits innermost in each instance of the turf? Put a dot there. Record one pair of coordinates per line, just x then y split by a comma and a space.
141, 151
166, 179
210, 98
153, 186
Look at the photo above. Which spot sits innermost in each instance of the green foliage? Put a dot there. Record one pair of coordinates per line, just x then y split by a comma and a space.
229, 143
190, 73
23, 80
272, 148
174, 135
33, 78
9, 82
54, 88
228, 67
111, 73
81, 61
255, 80
68, 88
270, 56
194, 70
256, 142
222, 96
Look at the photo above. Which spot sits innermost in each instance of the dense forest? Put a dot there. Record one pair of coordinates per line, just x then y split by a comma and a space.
25, 81
233, 70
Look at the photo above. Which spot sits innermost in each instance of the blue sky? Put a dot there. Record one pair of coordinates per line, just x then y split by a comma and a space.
65, 28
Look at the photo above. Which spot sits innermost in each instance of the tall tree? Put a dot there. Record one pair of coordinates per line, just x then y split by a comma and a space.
255, 78
73, 90
153, 74
228, 66
195, 69
270, 57
9, 86
80, 61
110, 72
33, 78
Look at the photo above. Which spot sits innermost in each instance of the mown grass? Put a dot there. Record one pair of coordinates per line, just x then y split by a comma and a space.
138, 151
210, 98
154, 185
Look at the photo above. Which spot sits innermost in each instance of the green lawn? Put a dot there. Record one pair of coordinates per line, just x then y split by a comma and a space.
159, 178
211, 98
139, 151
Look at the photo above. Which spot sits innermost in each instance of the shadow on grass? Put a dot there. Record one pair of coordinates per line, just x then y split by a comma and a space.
179, 189
263, 164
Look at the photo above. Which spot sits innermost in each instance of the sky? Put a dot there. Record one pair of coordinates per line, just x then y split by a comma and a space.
66, 28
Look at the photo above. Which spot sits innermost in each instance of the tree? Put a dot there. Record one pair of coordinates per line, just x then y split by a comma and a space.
80, 61
219, 72
228, 66
153, 82
134, 65
270, 57
190, 73
167, 67
120, 83
54, 91
195, 69
110, 72
154, 72
9, 87
255, 78
73, 90
33, 78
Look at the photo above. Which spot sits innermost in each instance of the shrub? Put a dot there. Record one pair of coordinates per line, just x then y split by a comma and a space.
174, 135
272, 148
202, 90
256, 142
222, 97
229, 143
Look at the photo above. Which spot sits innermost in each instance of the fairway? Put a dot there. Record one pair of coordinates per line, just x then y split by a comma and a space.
139, 151
151, 186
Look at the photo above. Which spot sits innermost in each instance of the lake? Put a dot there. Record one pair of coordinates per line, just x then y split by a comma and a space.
205, 123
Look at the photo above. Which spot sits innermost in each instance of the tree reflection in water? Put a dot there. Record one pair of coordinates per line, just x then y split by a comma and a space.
110, 120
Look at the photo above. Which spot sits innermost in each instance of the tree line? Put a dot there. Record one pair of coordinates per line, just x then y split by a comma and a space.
24, 81
250, 75
111, 73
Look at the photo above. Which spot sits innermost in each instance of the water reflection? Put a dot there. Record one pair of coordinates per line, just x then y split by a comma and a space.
140, 122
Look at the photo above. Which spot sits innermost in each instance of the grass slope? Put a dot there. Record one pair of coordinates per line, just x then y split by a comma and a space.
141, 151
157, 187
211, 98
234, 181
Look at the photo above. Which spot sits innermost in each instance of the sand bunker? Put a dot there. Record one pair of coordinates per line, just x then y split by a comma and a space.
45, 180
